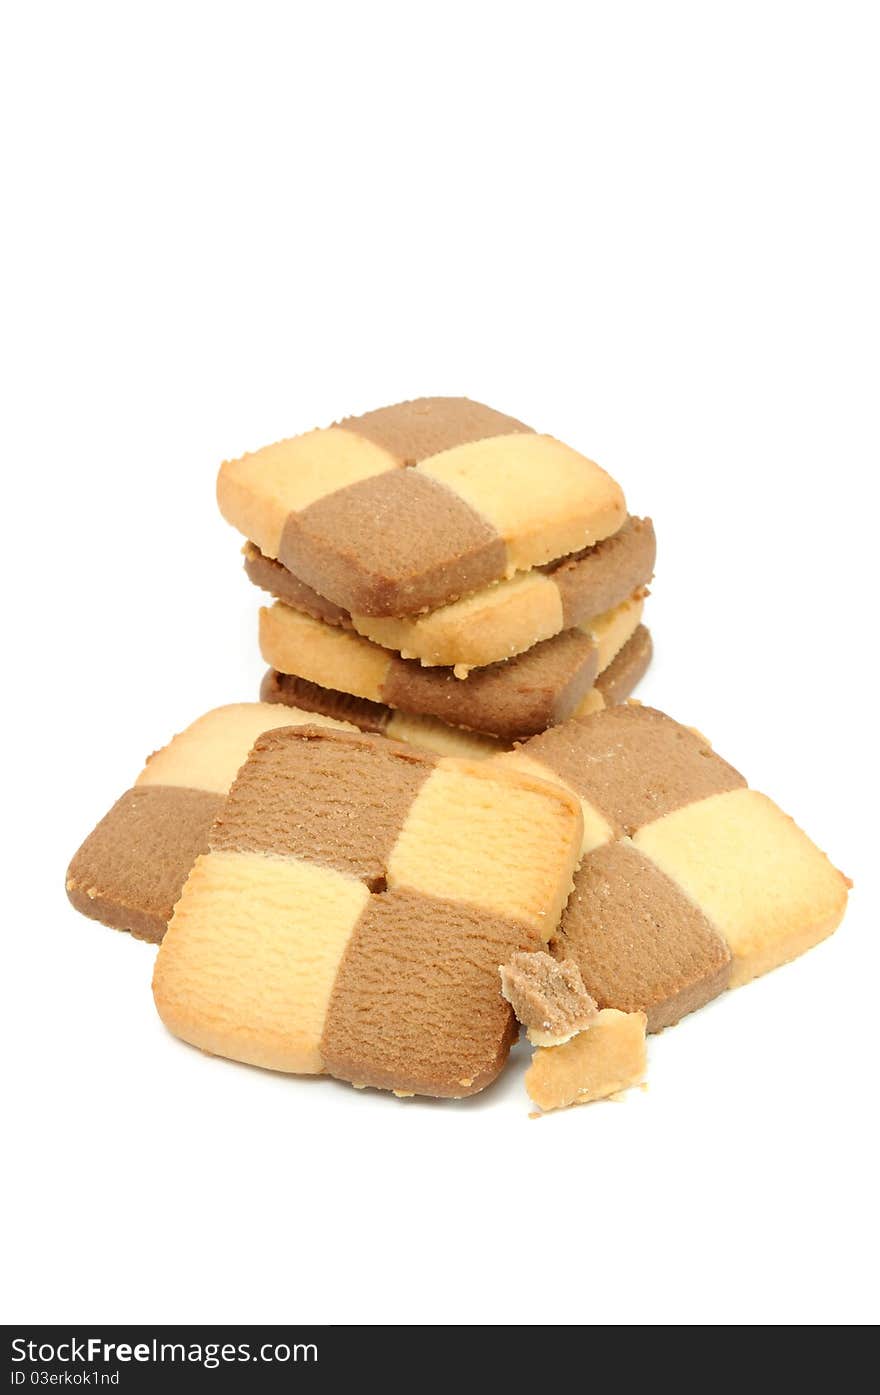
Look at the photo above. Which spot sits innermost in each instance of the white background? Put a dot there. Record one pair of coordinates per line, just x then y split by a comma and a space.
651, 230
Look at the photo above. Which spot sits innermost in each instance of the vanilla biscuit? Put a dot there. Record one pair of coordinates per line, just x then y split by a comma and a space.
130, 870
509, 700
499, 621
412, 506
691, 882
354, 905
594, 1065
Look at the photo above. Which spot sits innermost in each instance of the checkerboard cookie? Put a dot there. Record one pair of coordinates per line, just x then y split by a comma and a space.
691, 882
509, 700
129, 871
353, 908
500, 620
614, 684
407, 508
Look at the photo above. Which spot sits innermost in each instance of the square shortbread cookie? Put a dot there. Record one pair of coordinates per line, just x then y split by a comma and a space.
691, 882
353, 909
409, 507
509, 700
614, 684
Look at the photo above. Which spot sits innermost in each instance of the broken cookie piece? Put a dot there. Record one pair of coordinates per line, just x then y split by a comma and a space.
597, 1063
548, 997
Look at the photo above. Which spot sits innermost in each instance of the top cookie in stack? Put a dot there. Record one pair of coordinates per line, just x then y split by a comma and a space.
444, 566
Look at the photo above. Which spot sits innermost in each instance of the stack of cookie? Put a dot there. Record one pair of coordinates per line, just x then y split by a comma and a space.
442, 574
342, 904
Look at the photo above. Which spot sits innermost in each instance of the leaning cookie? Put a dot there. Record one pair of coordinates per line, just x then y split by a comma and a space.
691, 882
130, 870
354, 905
499, 621
409, 507
509, 700
614, 684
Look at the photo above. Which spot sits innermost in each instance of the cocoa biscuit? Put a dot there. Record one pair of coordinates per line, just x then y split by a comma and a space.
394, 544
413, 431
691, 881
614, 684
373, 516
130, 870
314, 819
642, 945
426, 733
270, 576
415, 1005
509, 700
634, 766
601, 576
354, 904
311, 697
547, 996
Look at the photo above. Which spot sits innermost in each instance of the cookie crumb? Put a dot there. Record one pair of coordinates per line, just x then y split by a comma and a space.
548, 997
